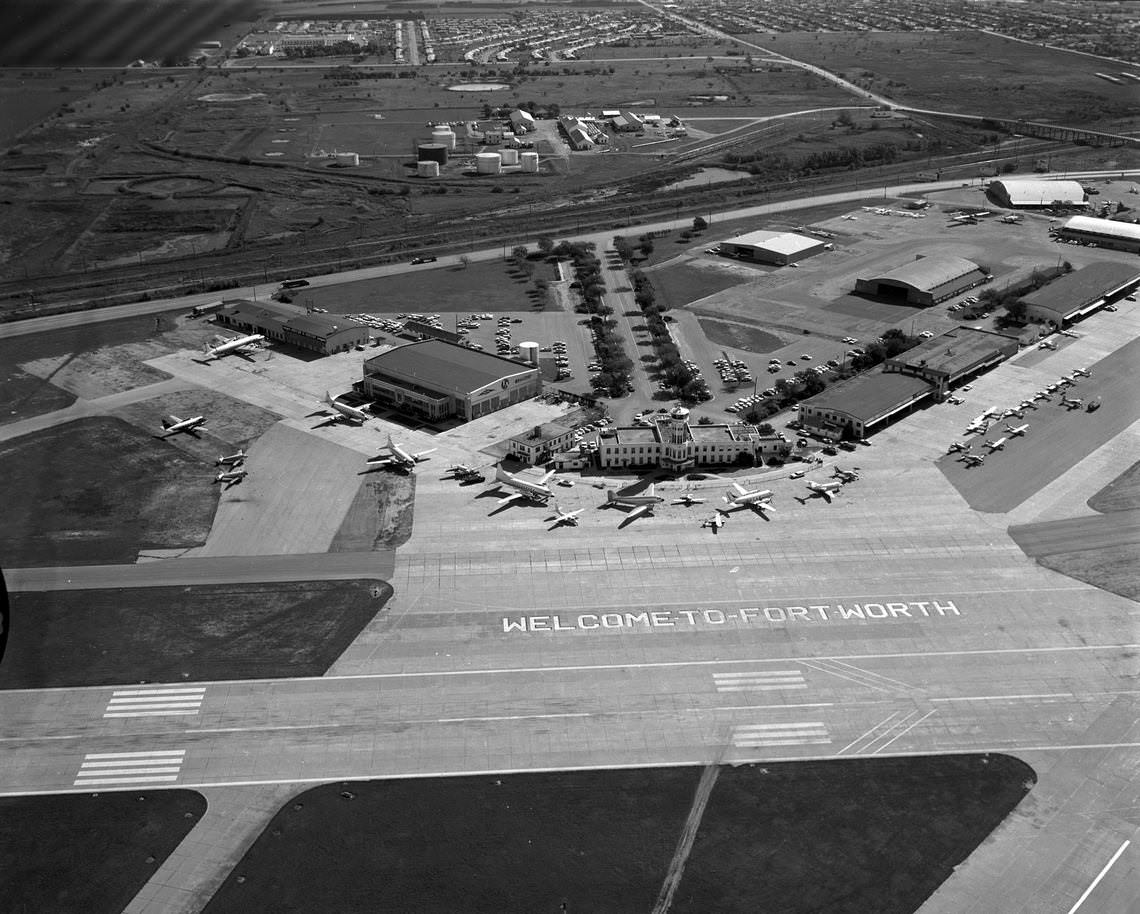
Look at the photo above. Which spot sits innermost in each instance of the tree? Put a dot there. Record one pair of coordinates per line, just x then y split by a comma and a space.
699, 224
545, 244
465, 260
518, 252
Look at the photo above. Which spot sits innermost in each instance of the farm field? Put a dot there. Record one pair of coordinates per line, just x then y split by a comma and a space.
968, 72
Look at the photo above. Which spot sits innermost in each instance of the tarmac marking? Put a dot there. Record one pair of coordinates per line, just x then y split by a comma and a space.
860, 676
155, 702
868, 733
905, 731
1099, 876
757, 736
759, 681
118, 768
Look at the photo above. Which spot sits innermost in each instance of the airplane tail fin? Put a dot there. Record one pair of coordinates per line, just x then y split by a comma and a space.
329, 397
610, 499
502, 475
652, 489
545, 479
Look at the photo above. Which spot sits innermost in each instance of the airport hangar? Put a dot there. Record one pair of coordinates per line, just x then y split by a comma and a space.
1080, 293
434, 380
323, 333
925, 374
780, 248
1103, 233
924, 281
1027, 193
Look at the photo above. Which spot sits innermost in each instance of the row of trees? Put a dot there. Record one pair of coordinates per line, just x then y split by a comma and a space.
845, 157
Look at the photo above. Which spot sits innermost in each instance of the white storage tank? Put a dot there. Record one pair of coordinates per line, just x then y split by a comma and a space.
347, 158
529, 161
488, 163
528, 352
444, 135
427, 169
509, 156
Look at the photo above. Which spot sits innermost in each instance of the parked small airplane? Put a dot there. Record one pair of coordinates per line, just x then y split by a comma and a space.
1071, 402
973, 460
1069, 333
1083, 372
998, 445
345, 413
1028, 404
1065, 381
398, 458
825, 489
1041, 395
688, 500
231, 477
739, 497
235, 346
1015, 431
172, 425
1046, 344
1011, 412
958, 446
232, 461
715, 522
570, 518
461, 470
640, 504
537, 492
845, 475
977, 427
1012, 218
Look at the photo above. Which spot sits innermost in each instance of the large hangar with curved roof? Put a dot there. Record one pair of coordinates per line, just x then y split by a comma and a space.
924, 281
1030, 192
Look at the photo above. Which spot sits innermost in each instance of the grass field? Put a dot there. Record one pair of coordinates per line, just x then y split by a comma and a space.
1122, 494
184, 634
740, 336
847, 837
678, 285
88, 854
487, 286
23, 395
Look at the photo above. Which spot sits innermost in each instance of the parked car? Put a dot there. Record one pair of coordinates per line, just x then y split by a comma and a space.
426, 258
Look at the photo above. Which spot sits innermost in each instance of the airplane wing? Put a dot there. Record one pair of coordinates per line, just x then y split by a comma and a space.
638, 511
762, 506
171, 420
422, 455
826, 495
571, 514
740, 490
514, 496
381, 460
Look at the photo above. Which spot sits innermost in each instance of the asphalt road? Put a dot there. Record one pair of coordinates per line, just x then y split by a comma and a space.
1078, 534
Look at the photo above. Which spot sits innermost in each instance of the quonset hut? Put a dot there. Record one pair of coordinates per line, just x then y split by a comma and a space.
1031, 193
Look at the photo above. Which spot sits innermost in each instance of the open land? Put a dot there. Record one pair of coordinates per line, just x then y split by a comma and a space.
875, 835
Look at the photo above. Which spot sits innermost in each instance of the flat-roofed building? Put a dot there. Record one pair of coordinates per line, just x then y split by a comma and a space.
435, 380
323, 333
541, 443
1035, 192
924, 281
862, 405
672, 444
1074, 295
1104, 233
953, 358
779, 248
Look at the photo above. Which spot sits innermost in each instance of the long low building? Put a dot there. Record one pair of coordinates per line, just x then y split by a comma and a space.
435, 380
779, 248
323, 333
862, 405
924, 281
672, 444
1074, 295
1104, 233
1036, 192
953, 358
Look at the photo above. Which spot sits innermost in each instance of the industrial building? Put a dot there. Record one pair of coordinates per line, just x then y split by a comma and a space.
860, 406
672, 444
924, 281
1081, 292
435, 380
522, 121
541, 443
957, 356
1104, 233
779, 248
323, 333
1031, 193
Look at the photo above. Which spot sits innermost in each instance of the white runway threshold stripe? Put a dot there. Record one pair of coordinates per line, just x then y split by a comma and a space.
155, 702
105, 768
759, 681
760, 736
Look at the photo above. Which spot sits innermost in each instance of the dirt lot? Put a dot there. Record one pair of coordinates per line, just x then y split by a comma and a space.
184, 634
380, 516
842, 837
85, 854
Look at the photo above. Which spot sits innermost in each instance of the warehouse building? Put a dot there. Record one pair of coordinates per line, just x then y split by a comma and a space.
1036, 193
1103, 233
780, 248
1077, 294
952, 359
862, 405
522, 121
672, 444
435, 380
323, 333
924, 281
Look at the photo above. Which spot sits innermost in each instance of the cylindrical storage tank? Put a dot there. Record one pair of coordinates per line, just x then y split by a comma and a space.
444, 135
487, 163
432, 152
347, 158
528, 352
427, 169
529, 161
509, 156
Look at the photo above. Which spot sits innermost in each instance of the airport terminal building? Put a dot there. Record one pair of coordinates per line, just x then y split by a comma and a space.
780, 248
1077, 294
672, 444
323, 333
435, 380
924, 281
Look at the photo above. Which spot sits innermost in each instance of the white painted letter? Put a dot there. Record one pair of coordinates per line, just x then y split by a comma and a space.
632, 619
822, 610
662, 618
509, 625
898, 609
582, 621
747, 612
559, 627
714, 617
611, 620
845, 613
540, 623
797, 614
689, 614
880, 611
921, 604
944, 608
775, 614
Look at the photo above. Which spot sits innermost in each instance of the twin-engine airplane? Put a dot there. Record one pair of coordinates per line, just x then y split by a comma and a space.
570, 518
536, 492
350, 415
638, 504
238, 346
398, 458
173, 425
739, 497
